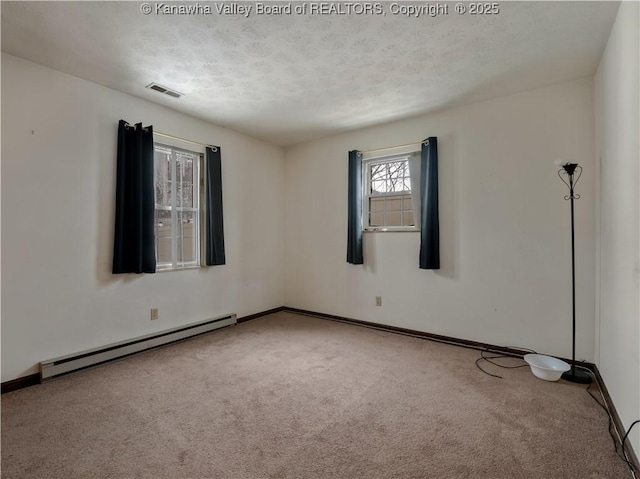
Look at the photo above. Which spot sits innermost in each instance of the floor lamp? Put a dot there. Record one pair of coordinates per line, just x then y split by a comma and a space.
566, 174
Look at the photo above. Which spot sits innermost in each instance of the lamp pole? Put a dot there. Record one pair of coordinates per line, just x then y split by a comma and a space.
569, 169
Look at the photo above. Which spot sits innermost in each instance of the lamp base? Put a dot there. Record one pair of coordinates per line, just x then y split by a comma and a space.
576, 376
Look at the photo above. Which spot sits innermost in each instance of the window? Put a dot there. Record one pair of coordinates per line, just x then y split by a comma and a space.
177, 198
388, 203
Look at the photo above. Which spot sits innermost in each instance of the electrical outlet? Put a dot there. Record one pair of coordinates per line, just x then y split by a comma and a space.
154, 313
378, 300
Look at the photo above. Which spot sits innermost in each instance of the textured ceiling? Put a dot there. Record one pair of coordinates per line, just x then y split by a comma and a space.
291, 78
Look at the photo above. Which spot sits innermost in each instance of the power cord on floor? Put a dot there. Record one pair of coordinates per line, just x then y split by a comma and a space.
490, 360
606, 409
629, 463
611, 427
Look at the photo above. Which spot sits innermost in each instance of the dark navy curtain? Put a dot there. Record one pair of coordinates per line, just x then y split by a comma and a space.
134, 242
354, 215
429, 221
214, 217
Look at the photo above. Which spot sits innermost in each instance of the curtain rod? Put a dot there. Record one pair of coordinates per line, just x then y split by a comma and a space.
425, 142
166, 135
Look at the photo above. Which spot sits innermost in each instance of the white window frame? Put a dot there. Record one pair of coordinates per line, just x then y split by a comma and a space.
197, 208
366, 193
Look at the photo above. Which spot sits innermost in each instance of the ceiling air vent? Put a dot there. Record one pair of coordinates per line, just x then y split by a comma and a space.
164, 89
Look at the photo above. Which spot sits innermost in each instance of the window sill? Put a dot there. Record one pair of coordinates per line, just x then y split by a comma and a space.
170, 270
391, 230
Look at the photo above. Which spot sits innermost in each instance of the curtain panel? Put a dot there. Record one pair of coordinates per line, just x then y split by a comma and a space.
215, 254
354, 213
429, 217
134, 241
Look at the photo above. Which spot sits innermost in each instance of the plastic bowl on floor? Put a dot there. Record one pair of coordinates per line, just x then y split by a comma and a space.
546, 367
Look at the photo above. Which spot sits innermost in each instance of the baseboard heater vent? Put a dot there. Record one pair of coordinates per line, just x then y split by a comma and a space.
93, 357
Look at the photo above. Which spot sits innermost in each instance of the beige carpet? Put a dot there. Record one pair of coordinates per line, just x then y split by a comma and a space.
289, 396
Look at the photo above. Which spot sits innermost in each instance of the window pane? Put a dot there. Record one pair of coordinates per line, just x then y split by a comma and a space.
376, 205
163, 236
393, 219
163, 251
378, 186
408, 218
163, 222
394, 204
394, 168
389, 177
162, 167
378, 172
376, 219
187, 235
185, 171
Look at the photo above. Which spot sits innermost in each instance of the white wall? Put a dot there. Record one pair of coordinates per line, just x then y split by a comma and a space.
58, 186
617, 149
504, 226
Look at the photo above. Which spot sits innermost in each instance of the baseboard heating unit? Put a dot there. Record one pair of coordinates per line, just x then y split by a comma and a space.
93, 357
